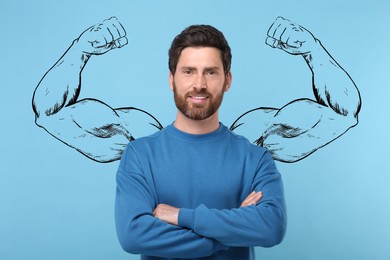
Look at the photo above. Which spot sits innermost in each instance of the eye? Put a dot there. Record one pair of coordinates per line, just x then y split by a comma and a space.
212, 73
187, 72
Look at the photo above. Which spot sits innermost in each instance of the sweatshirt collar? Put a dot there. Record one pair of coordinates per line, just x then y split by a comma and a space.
212, 136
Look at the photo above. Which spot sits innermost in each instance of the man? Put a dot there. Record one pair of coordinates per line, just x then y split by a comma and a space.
195, 189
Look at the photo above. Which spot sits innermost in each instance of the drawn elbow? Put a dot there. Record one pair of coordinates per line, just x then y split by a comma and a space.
41, 119
40, 116
38, 120
354, 120
349, 115
349, 120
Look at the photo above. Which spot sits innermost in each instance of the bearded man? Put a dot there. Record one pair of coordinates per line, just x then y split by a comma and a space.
195, 189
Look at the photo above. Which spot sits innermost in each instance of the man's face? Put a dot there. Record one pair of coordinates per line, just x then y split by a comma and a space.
199, 82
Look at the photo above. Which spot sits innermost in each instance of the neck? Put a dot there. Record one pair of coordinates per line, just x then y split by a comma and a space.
191, 126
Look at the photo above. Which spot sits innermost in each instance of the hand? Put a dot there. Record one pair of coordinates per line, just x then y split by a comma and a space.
102, 37
290, 37
252, 198
167, 213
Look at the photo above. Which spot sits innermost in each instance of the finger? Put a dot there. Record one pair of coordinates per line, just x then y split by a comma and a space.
110, 20
108, 35
245, 204
289, 39
272, 28
251, 195
119, 27
285, 36
156, 210
121, 42
275, 26
113, 31
271, 32
282, 32
113, 21
117, 31
257, 197
252, 201
106, 31
247, 199
279, 31
272, 42
109, 40
252, 198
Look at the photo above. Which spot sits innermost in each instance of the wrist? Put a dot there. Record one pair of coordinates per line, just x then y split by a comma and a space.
76, 51
186, 218
317, 55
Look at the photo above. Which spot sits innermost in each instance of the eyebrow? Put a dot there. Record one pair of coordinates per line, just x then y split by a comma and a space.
213, 68
206, 68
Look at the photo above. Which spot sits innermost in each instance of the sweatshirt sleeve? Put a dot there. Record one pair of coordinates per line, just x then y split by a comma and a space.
261, 225
138, 231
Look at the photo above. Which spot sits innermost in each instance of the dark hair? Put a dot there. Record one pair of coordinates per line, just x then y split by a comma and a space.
199, 36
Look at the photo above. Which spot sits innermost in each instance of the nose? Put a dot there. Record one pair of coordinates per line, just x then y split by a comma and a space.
200, 82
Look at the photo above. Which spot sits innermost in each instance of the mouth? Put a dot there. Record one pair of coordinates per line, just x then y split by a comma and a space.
198, 99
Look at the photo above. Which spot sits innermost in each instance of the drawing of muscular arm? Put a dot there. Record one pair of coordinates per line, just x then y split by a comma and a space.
302, 126
89, 125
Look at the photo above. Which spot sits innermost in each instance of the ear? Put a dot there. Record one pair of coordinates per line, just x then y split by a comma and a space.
171, 80
228, 81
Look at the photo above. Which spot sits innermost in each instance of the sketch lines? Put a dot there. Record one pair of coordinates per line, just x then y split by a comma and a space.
290, 133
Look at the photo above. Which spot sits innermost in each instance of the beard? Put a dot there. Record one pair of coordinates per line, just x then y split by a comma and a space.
197, 111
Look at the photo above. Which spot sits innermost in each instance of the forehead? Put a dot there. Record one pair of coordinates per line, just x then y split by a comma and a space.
200, 56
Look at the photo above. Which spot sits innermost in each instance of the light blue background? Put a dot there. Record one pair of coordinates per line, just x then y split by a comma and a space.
57, 204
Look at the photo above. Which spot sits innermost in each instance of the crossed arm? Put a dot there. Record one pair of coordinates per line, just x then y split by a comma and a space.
170, 214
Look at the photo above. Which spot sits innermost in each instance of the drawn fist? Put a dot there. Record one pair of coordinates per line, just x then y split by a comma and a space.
290, 37
102, 37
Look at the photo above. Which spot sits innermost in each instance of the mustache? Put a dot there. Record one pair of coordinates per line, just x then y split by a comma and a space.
202, 92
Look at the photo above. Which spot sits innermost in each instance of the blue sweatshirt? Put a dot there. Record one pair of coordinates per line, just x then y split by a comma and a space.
207, 176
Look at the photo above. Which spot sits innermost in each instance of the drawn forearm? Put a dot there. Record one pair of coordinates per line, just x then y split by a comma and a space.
332, 85
60, 86
302, 127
